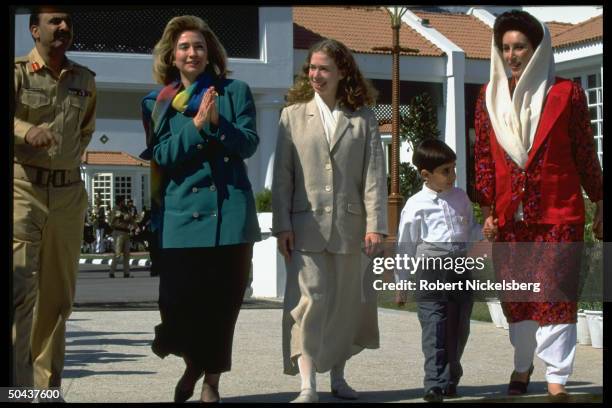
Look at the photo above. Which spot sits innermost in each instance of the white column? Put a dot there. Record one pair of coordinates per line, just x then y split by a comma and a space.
454, 133
137, 189
268, 107
454, 130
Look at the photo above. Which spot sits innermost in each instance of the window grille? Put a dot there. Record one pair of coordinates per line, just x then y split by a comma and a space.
384, 113
123, 187
591, 83
102, 186
131, 30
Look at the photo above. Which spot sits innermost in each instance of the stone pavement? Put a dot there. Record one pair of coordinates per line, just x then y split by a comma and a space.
108, 359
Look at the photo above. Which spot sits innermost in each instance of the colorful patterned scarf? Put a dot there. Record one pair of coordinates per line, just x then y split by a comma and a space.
187, 101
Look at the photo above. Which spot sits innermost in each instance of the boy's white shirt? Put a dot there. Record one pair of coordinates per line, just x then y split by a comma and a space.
433, 217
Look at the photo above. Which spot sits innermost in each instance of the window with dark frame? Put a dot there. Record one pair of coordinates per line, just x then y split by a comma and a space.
136, 30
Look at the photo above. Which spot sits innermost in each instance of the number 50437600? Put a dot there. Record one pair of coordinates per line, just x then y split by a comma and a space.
31, 393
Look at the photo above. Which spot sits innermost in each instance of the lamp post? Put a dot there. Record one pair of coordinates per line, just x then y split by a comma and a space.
395, 198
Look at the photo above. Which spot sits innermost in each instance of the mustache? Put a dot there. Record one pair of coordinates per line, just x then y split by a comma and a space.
63, 35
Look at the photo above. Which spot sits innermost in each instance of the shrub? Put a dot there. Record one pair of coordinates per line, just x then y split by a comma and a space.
263, 201
418, 124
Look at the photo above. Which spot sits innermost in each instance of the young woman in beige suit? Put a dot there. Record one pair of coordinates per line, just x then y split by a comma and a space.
329, 195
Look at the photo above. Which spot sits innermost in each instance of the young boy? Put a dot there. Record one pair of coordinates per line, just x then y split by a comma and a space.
438, 222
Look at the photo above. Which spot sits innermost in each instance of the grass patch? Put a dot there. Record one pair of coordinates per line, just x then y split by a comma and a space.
480, 311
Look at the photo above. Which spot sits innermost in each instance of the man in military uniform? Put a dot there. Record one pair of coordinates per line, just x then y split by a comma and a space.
122, 221
55, 101
99, 224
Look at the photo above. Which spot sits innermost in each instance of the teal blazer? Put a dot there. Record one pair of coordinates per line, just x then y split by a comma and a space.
207, 199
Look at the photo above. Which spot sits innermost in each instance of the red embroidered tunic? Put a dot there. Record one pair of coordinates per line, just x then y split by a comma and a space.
531, 230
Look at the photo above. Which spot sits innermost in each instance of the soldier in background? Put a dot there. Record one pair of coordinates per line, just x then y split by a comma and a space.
55, 102
132, 208
121, 221
99, 223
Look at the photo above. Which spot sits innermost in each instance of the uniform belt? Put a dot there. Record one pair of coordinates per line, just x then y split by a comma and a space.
46, 177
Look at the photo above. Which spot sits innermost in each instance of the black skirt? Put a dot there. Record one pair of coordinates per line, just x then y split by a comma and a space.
200, 294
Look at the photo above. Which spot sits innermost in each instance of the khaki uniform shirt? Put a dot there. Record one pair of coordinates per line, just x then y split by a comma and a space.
65, 105
121, 219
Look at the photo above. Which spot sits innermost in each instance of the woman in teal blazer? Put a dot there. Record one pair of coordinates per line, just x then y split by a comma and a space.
200, 128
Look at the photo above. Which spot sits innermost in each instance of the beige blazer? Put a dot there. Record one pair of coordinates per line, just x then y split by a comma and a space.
328, 195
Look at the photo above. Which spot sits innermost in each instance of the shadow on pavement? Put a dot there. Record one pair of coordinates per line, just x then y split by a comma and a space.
68, 373
380, 396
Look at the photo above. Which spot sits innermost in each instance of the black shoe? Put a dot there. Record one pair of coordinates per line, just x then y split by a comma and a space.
433, 395
186, 384
111, 275
451, 391
127, 275
518, 387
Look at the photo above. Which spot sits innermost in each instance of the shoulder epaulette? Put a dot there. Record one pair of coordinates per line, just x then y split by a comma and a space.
77, 65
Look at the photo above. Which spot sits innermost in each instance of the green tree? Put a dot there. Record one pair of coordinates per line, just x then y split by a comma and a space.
263, 201
420, 123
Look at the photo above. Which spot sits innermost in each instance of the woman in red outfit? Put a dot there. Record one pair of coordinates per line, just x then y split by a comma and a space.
534, 150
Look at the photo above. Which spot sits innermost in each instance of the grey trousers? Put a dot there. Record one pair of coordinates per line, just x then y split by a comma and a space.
445, 324
445, 327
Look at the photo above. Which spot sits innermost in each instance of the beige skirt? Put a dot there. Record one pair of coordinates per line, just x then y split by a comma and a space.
330, 311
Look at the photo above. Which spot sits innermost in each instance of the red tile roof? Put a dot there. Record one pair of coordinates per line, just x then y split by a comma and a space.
587, 31
556, 27
113, 159
362, 28
466, 31
359, 28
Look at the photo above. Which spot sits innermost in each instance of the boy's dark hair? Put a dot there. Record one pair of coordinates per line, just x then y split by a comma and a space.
432, 153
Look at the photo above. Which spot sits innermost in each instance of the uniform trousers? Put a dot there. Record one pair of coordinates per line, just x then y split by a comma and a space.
47, 234
555, 344
121, 241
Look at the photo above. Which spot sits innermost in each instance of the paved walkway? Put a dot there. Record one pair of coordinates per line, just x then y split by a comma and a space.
108, 359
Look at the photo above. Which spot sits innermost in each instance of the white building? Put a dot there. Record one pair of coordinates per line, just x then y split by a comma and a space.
268, 47
264, 35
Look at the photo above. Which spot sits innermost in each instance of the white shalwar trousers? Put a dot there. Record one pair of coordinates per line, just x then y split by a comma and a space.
555, 344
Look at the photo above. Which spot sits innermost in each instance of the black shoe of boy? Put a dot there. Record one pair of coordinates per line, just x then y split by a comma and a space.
433, 395
451, 391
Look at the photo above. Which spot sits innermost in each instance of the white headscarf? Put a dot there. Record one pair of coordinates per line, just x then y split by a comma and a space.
328, 117
515, 120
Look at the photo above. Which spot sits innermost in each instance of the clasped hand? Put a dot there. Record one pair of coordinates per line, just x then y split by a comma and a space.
208, 110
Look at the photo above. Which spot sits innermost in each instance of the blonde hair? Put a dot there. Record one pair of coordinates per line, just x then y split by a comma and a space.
354, 91
163, 53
